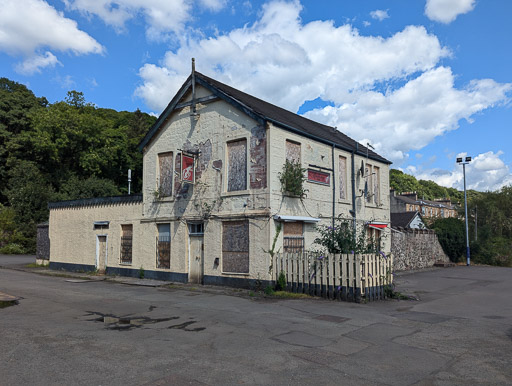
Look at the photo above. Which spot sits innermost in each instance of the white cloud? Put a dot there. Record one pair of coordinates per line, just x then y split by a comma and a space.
286, 62
28, 26
410, 117
161, 16
391, 92
213, 5
36, 63
379, 14
446, 11
486, 171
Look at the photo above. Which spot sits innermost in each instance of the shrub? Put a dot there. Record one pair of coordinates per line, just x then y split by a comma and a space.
12, 249
452, 237
281, 282
292, 179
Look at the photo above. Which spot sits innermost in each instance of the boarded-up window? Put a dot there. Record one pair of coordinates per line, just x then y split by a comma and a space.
376, 185
163, 246
237, 165
343, 177
126, 243
235, 246
293, 237
369, 183
293, 152
165, 174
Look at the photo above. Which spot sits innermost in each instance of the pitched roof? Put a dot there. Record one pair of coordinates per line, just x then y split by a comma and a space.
402, 219
436, 204
262, 111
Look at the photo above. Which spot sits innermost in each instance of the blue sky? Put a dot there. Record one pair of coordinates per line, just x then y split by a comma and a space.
422, 81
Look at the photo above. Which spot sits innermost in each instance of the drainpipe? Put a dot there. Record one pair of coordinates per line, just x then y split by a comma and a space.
193, 86
353, 180
333, 195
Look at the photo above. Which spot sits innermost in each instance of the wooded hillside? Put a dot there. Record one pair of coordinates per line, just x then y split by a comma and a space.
489, 219
61, 151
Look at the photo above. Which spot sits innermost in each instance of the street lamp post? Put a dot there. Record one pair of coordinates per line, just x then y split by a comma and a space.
464, 163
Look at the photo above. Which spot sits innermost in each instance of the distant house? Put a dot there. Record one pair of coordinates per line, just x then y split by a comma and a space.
408, 220
213, 199
409, 202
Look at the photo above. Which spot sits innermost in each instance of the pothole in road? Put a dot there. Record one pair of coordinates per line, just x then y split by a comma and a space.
125, 323
122, 323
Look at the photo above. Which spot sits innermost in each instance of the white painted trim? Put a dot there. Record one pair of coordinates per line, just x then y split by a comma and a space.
296, 218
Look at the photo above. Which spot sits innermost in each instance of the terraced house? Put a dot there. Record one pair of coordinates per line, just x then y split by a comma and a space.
213, 194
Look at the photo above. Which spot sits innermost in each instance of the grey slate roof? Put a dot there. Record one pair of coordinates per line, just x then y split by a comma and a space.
402, 219
262, 111
435, 204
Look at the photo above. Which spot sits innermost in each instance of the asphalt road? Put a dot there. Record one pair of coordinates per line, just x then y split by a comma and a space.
104, 333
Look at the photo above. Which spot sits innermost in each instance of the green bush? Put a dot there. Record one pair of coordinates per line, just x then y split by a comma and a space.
281, 282
452, 237
12, 249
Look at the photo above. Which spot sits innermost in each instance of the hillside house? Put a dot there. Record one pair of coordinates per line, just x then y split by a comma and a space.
409, 202
212, 199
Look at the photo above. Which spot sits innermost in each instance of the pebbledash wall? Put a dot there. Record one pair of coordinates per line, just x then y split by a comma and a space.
415, 249
74, 239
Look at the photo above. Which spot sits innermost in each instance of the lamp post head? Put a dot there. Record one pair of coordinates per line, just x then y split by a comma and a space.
459, 160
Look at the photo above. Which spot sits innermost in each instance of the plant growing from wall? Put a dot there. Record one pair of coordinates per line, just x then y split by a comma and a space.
292, 179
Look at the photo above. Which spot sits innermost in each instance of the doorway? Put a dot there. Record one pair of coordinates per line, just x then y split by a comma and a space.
196, 253
101, 253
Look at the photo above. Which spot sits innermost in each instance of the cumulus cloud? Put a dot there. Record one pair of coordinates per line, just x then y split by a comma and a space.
36, 63
379, 14
446, 11
390, 92
280, 59
161, 16
410, 117
486, 171
31, 25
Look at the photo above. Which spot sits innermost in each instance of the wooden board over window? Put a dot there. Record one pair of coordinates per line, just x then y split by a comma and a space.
235, 246
376, 185
292, 152
293, 237
166, 174
237, 165
343, 177
126, 243
293, 228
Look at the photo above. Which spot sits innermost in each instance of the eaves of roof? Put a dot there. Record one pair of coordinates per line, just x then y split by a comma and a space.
262, 112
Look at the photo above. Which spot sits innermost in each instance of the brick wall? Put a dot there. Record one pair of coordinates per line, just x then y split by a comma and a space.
415, 249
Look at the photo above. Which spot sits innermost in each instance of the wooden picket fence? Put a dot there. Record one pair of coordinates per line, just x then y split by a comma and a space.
352, 277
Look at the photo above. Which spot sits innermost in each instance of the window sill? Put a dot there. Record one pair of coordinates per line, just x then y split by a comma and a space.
235, 193
126, 264
236, 273
164, 199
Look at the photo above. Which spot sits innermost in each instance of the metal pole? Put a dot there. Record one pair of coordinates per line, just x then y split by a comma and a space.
129, 180
476, 222
468, 260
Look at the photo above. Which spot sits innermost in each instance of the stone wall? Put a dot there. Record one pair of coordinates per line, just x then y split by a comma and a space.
415, 249
43, 242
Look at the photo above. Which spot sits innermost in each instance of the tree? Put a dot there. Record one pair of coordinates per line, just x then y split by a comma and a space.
402, 182
451, 235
